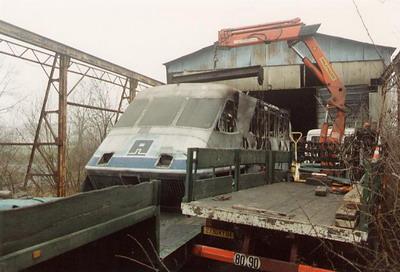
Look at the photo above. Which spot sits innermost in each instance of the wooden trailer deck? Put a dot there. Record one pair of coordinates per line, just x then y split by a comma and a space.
284, 206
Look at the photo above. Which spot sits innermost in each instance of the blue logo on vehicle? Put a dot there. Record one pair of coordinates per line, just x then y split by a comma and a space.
140, 147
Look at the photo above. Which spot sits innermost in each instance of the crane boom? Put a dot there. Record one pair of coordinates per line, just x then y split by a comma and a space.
294, 31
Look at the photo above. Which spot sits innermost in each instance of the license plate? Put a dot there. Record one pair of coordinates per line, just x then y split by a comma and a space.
218, 233
249, 261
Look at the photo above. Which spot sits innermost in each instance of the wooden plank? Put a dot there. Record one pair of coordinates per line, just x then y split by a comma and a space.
211, 187
251, 180
210, 158
348, 224
53, 219
21, 259
345, 213
353, 198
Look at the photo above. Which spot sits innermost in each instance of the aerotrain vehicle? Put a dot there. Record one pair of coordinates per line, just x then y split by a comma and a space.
151, 138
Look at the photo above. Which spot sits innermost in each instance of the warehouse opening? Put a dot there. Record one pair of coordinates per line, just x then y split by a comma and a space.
301, 104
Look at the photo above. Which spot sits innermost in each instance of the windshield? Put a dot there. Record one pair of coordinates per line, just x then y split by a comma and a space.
132, 113
162, 111
200, 112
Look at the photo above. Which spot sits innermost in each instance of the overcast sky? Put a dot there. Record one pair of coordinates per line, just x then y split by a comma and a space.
142, 35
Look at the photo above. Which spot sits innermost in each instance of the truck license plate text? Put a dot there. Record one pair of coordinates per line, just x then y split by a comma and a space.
252, 262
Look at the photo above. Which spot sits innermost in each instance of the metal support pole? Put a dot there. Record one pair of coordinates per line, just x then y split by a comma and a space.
123, 95
132, 89
93, 107
271, 166
189, 175
28, 175
62, 125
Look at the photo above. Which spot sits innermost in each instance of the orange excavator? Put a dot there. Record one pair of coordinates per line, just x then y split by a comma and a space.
294, 31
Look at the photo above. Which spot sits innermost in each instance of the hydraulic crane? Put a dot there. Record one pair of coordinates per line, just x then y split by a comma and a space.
294, 31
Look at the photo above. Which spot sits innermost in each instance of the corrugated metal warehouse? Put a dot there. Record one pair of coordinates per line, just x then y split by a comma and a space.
288, 84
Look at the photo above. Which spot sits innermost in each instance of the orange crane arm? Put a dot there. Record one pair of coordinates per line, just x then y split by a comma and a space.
294, 31
324, 71
277, 31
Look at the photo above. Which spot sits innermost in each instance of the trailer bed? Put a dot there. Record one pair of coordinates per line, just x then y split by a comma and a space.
34, 234
285, 206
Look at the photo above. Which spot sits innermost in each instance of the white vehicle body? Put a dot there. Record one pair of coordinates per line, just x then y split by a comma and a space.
314, 134
151, 138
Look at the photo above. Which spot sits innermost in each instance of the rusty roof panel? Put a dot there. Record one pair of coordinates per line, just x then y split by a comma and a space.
278, 53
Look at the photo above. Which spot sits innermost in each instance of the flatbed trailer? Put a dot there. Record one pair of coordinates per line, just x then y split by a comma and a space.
82, 232
110, 229
251, 217
285, 206
259, 220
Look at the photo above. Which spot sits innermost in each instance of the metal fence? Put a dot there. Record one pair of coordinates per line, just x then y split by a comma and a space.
211, 172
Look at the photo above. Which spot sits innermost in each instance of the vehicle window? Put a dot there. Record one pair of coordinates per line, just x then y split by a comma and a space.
282, 126
257, 131
162, 111
200, 112
228, 120
285, 127
272, 125
315, 139
132, 113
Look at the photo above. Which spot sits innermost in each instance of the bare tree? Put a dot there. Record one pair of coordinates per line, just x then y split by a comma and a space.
11, 164
88, 128
6, 89
383, 250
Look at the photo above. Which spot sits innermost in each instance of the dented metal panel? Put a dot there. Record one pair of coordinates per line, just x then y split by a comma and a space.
278, 53
221, 74
283, 77
358, 72
355, 62
275, 77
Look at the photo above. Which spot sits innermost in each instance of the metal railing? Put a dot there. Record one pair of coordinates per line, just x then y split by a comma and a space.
211, 172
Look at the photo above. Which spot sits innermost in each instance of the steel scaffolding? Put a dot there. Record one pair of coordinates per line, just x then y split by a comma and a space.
62, 60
